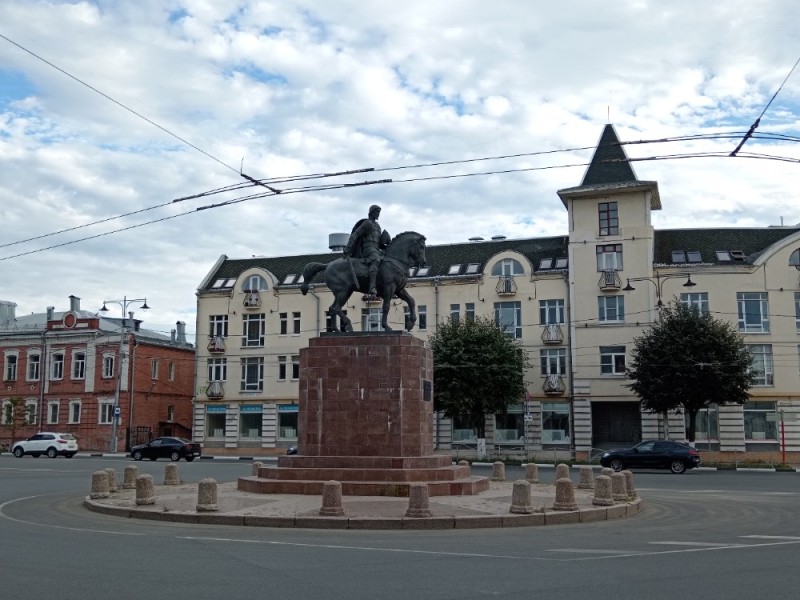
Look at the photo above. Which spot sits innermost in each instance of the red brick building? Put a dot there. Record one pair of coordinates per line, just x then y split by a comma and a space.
76, 371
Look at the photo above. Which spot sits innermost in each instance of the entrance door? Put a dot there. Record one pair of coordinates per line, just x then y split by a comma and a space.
616, 424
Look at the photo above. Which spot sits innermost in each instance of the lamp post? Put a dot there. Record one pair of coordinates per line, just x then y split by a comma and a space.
658, 282
124, 303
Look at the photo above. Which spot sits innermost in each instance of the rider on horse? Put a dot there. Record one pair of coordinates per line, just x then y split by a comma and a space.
367, 242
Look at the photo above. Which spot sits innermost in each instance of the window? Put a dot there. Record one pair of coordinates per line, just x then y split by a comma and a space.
508, 315
761, 366
295, 323
454, 270
757, 426
30, 412
611, 309
52, 412
223, 283
609, 257
154, 368
284, 323
507, 267
108, 366
612, 360
217, 369
723, 256
472, 268
551, 312
10, 371
79, 365
171, 413
694, 256
469, 311
74, 412
794, 259
423, 271
561, 263
545, 264
706, 423
215, 422
455, 312
282, 362
57, 366
287, 421
296, 366
329, 320
697, 300
510, 427
105, 412
678, 256
250, 420
218, 326
34, 362
464, 429
171, 370
555, 423
255, 283
253, 330
753, 312
289, 279
553, 361
422, 317
371, 319
252, 374
609, 219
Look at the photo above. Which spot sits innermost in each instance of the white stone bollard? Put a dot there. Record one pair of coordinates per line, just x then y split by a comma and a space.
498, 471
521, 503
418, 506
99, 485
129, 477
112, 479
602, 491
632, 493
145, 490
562, 471
331, 499
256, 467
565, 495
532, 473
587, 479
171, 476
619, 491
207, 495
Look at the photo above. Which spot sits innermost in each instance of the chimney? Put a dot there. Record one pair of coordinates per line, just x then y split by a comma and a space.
74, 304
50, 310
337, 241
172, 333
8, 312
181, 331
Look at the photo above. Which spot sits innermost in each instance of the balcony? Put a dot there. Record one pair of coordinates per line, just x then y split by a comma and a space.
554, 385
506, 286
552, 334
216, 343
214, 389
609, 281
252, 299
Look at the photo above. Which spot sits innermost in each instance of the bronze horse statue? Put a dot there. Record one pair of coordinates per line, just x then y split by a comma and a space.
344, 276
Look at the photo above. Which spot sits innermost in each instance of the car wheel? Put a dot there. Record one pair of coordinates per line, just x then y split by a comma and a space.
617, 465
137, 455
52, 453
174, 457
18, 452
677, 466
189, 458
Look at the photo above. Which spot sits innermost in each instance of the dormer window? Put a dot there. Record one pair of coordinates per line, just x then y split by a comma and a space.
472, 268
693, 256
507, 267
723, 256
794, 259
561, 263
737, 255
545, 264
255, 283
423, 271
289, 279
678, 256
454, 270
223, 283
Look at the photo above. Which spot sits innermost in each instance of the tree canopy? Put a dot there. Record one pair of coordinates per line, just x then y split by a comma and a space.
477, 369
689, 360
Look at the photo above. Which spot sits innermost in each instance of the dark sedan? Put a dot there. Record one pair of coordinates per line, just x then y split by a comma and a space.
653, 454
173, 448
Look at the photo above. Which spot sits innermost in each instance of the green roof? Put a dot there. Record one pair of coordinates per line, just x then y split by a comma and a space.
609, 163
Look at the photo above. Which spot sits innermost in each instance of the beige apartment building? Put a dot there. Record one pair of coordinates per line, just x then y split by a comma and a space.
575, 301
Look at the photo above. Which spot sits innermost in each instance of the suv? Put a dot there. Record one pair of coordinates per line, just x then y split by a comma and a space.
45, 442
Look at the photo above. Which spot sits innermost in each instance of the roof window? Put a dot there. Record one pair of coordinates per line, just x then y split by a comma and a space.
289, 278
737, 255
694, 256
723, 256
678, 256
561, 263
545, 263
454, 270
423, 271
472, 268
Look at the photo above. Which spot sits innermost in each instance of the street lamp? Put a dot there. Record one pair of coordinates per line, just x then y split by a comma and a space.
658, 282
124, 303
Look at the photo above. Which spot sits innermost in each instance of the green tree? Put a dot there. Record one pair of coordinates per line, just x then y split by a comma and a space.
477, 370
14, 416
689, 360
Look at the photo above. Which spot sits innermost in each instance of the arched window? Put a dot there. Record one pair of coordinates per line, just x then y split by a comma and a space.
794, 259
507, 267
255, 283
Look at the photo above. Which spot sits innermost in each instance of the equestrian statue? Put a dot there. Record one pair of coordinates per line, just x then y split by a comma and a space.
373, 264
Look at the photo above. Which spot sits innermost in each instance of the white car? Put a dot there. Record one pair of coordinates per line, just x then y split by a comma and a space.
45, 442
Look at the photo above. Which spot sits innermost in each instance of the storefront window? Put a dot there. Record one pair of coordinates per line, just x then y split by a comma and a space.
555, 423
464, 430
215, 424
510, 427
706, 424
250, 422
287, 422
757, 427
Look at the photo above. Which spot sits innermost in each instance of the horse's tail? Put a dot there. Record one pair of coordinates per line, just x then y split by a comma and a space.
309, 271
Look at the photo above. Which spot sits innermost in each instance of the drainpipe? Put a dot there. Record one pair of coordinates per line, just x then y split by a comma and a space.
568, 318
317, 298
436, 301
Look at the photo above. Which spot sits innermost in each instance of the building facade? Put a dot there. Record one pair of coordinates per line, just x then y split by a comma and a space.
99, 378
576, 302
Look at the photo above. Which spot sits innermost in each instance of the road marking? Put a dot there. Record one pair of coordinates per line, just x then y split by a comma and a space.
697, 544
772, 537
590, 551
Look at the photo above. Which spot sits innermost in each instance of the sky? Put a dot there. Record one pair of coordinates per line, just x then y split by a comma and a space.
116, 114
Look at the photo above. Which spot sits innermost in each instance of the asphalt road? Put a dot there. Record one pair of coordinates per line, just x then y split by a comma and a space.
706, 535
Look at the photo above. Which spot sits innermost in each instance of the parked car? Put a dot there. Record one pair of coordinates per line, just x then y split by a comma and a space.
173, 448
653, 454
47, 442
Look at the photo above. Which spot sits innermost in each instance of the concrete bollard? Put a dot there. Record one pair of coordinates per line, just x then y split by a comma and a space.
562, 471
256, 466
99, 485
171, 476
463, 463
619, 491
418, 506
632, 493
607, 471
145, 491
129, 477
207, 495
521, 498
112, 479
602, 491
331, 499
498, 471
587, 479
565, 495
532, 473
